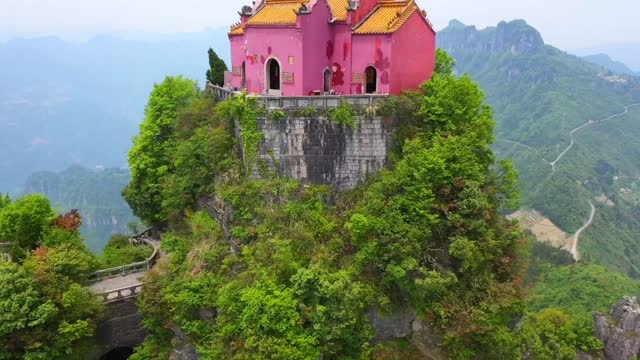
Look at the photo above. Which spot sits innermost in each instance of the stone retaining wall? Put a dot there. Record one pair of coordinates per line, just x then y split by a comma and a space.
321, 151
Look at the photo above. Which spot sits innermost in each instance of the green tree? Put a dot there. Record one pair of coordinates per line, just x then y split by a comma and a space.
217, 67
4, 201
22, 306
150, 157
62, 265
58, 237
553, 335
120, 252
445, 64
37, 325
25, 223
205, 149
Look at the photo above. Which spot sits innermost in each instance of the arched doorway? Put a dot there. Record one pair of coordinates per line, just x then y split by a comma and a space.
243, 75
327, 81
273, 77
371, 83
121, 353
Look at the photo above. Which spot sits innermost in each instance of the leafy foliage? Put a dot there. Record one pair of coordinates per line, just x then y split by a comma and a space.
120, 252
217, 68
553, 335
70, 221
4, 201
150, 157
44, 311
244, 109
25, 222
580, 289
343, 114
205, 149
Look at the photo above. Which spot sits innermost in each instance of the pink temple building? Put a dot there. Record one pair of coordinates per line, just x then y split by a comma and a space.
307, 47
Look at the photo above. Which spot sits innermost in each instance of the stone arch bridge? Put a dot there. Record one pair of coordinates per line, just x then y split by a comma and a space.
121, 330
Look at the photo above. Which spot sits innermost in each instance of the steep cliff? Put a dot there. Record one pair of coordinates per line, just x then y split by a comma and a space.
620, 330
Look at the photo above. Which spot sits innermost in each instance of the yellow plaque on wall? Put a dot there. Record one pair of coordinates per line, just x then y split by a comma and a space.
357, 78
291, 60
287, 78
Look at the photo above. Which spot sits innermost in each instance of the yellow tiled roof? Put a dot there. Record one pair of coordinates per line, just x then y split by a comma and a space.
388, 17
236, 29
339, 9
277, 12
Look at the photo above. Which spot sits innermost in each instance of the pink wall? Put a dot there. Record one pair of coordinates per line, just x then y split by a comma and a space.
318, 46
364, 8
237, 56
413, 50
341, 61
264, 43
372, 50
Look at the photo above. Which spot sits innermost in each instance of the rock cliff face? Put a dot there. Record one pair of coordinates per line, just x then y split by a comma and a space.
620, 330
515, 36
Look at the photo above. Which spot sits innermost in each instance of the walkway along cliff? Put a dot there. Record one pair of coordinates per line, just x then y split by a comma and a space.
121, 329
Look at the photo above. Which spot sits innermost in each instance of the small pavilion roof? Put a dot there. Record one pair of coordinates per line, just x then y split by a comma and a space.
388, 17
277, 12
339, 9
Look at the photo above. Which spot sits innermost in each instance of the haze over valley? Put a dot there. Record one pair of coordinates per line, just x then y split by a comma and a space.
325, 179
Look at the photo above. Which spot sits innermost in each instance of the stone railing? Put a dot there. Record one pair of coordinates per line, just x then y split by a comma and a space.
221, 93
142, 239
122, 293
293, 102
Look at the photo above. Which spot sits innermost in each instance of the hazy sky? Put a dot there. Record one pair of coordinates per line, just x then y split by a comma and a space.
568, 24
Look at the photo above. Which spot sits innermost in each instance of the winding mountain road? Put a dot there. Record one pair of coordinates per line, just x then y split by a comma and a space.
576, 236
588, 123
518, 143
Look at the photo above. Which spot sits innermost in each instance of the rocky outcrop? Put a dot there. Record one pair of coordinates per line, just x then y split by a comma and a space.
182, 348
620, 330
405, 324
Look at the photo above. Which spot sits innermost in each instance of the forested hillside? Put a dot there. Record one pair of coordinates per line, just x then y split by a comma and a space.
540, 95
273, 268
95, 193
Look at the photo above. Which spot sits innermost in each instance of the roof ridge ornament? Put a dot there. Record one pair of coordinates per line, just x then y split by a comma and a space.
304, 9
246, 11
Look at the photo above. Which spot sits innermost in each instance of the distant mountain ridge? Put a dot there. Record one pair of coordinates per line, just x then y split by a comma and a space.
608, 63
548, 105
628, 53
96, 193
516, 37
67, 103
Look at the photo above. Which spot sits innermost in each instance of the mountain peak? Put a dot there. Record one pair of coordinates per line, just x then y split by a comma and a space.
515, 36
455, 23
